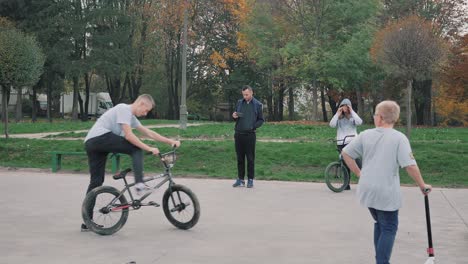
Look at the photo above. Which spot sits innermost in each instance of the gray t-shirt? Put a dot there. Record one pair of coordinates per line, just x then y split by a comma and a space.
111, 121
383, 151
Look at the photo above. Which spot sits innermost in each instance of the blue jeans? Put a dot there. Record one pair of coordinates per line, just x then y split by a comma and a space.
385, 229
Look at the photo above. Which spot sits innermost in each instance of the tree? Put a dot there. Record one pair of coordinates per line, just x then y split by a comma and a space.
410, 50
224, 54
328, 27
350, 69
450, 17
452, 93
21, 62
269, 37
50, 23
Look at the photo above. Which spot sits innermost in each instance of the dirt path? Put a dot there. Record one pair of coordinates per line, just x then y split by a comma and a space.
46, 134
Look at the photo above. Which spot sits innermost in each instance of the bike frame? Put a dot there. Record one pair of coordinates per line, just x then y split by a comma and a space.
166, 177
340, 156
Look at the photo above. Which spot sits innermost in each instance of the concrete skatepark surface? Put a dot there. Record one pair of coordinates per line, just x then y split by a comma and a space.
275, 222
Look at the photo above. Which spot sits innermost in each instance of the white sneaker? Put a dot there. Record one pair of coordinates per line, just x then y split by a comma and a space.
142, 189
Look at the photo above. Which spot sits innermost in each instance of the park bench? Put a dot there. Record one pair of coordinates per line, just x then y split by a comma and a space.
57, 159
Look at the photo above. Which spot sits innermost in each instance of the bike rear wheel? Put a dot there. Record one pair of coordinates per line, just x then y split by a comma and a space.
104, 210
181, 207
336, 177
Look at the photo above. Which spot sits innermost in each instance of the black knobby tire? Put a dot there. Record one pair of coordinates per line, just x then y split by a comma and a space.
181, 206
336, 177
97, 214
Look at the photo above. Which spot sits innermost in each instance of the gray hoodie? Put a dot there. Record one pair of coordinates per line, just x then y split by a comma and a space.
345, 127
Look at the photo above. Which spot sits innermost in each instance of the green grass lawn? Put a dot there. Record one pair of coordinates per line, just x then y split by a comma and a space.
296, 132
441, 153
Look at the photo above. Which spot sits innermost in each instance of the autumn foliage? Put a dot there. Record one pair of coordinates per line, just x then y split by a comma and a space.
452, 93
408, 47
238, 11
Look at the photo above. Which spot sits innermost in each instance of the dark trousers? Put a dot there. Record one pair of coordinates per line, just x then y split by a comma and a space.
99, 147
245, 148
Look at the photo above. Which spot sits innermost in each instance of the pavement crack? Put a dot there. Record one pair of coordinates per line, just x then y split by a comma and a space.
455, 209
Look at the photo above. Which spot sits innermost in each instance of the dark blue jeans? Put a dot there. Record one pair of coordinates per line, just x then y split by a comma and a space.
385, 229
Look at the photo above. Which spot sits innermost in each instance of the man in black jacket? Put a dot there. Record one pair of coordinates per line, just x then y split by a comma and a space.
249, 117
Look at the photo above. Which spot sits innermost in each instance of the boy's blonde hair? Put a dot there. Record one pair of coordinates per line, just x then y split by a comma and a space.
389, 111
146, 97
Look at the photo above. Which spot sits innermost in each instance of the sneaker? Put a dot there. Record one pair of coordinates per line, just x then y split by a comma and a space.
142, 189
250, 183
84, 228
239, 183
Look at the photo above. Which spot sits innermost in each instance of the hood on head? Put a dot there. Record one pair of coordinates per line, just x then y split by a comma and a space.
345, 101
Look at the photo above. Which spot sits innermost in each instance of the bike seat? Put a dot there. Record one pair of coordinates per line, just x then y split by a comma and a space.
122, 174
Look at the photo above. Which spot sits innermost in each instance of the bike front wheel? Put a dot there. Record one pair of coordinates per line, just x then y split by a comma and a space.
181, 207
105, 210
336, 177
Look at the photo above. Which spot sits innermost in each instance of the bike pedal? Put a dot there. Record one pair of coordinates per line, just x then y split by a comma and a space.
155, 204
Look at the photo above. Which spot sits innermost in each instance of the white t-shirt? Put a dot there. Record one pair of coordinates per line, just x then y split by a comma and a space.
111, 121
382, 151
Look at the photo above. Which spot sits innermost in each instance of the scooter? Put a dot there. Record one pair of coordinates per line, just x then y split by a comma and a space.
430, 249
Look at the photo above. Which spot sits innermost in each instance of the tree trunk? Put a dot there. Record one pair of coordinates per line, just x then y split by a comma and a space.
113, 88
324, 109
291, 103
360, 103
376, 96
35, 105
49, 98
423, 101
427, 110
409, 87
87, 80
5, 110
19, 105
75, 98
6, 95
83, 113
315, 101
136, 82
172, 68
177, 80
433, 110
333, 105
271, 112
281, 102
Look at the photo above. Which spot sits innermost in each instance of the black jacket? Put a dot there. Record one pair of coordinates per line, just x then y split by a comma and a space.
258, 120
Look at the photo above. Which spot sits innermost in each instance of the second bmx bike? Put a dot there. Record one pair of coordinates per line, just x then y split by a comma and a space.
336, 174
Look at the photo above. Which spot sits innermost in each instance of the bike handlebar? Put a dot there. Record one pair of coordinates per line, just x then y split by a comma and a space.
344, 139
160, 155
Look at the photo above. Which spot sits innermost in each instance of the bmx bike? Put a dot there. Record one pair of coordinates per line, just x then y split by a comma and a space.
105, 209
336, 173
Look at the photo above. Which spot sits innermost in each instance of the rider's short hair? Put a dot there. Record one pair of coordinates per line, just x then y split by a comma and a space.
146, 97
247, 87
389, 111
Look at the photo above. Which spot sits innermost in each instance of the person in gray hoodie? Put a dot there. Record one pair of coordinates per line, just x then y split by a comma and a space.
346, 122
